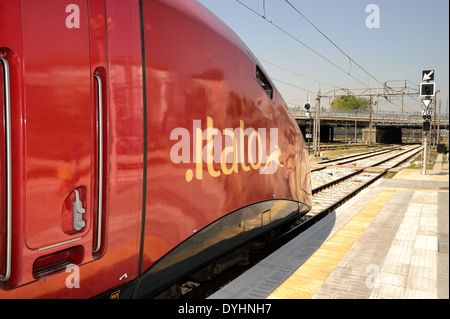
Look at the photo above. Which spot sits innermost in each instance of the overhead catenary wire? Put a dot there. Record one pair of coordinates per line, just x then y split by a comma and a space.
295, 86
301, 42
293, 72
351, 60
333, 43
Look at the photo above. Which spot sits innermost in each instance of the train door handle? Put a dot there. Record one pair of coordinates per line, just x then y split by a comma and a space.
8, 211
78, 211
98, 243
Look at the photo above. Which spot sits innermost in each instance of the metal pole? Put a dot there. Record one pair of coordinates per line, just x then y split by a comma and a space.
403, 93
315, 131
318, 123
402, 103
370, 121
438, 124
315, 135
356, 123
346, 131
434, 121
309, 138
425, 153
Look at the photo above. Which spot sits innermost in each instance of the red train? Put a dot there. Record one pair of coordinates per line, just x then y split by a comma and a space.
140, 141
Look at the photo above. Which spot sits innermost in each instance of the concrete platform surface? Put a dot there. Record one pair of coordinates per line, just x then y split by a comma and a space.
388, 242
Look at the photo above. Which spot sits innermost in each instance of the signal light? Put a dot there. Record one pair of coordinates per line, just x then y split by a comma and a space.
427, 89
307, 106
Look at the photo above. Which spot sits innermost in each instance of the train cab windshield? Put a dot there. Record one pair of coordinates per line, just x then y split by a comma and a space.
265, 84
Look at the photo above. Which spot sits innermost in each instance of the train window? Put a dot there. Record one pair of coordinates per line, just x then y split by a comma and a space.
265, 84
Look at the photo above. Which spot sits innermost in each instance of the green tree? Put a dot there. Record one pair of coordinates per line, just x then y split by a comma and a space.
348, 103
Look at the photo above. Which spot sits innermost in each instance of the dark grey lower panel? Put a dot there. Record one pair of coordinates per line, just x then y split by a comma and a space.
215, 240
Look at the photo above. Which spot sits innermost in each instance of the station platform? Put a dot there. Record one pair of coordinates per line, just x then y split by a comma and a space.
388, 242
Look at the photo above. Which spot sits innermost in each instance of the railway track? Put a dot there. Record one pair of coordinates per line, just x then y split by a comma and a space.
330, 195
333, 169
342, 146
326, 198
346, 160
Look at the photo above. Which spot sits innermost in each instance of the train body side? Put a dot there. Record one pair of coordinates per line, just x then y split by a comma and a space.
205, 82
154, 120
54, 49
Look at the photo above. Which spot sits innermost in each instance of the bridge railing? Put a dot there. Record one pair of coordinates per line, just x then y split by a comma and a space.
392, 116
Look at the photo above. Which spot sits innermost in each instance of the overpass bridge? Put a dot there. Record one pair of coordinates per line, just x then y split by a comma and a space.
386, 127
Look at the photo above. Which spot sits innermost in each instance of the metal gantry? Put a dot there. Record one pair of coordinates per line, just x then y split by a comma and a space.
386, 92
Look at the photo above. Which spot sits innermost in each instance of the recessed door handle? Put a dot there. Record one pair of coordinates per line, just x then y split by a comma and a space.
98, 244
78, 211
8, 211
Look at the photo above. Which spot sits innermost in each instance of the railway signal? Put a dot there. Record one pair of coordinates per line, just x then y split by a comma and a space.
427, 89
427, 102
307, 108
428, 75
427, 114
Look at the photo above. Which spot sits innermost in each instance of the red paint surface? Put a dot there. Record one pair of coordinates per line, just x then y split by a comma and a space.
195, 67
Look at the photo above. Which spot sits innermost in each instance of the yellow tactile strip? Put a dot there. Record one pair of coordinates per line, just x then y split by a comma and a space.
419, 190
308, 278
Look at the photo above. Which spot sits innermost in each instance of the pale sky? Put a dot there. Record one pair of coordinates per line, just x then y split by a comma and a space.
412, 36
